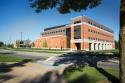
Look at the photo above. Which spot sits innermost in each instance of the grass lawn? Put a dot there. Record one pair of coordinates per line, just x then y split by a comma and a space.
38, 50
88, 75
107, 51
11, 58
56, 51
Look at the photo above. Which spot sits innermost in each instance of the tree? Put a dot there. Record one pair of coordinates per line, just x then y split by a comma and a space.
32, 44
17, 43
1, 44
116, 44
122, 41
27, 43
63, 6
45, 43
10, 45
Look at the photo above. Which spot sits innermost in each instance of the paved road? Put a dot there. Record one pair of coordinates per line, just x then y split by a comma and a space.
108, 65
29, 55
111, 63
44, 56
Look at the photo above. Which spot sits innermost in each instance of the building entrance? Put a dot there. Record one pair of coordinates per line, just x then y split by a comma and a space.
78, 46
90, 46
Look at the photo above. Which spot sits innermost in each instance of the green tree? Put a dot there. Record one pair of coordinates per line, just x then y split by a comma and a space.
116, 44
45, 43
10, 45
1, 44
32, 44
63, 6
27, 43
122, 41
17, 43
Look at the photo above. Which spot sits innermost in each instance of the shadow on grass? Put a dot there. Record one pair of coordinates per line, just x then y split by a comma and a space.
80, 59
4, 77
7, 53
6, 67
83, 79
110, 77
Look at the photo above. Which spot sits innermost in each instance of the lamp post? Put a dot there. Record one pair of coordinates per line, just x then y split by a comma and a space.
21, 36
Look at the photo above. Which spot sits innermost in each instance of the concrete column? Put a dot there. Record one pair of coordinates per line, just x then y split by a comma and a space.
92, 46
82, 48
111, 46
100, 46
96, 46
107, 46
104, 46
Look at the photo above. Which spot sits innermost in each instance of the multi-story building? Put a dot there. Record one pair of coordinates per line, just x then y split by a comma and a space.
82, 33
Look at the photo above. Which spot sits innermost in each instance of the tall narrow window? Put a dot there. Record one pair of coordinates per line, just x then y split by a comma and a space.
77, 32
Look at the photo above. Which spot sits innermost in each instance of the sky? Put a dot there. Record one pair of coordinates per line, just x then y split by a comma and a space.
17, 16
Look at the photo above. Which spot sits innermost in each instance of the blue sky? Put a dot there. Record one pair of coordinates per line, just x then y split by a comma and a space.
17, 16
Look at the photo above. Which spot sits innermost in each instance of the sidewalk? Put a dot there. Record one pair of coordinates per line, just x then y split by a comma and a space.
29, 72
114, 61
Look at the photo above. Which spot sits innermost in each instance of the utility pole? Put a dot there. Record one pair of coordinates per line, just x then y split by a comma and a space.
21, 36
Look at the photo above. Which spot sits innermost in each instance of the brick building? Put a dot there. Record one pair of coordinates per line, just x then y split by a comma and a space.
82, 33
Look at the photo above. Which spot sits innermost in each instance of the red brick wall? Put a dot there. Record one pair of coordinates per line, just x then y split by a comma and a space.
52, 42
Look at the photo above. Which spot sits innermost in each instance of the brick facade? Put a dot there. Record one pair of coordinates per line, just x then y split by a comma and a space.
83, 33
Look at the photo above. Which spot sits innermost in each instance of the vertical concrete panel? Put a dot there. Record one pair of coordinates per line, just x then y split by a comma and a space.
103, 46
92, 46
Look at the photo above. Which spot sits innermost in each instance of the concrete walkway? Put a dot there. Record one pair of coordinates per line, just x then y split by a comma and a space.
31, 73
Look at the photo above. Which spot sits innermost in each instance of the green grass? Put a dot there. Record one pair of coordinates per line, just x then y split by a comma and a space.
107, 51
113, 72
11, 58
37, 50
88, 75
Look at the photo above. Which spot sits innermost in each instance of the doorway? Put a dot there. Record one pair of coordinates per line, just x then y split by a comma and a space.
78, 46
90, 46
94, 46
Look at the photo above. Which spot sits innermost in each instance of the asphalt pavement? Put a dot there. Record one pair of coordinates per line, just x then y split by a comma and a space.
44, 56
28, 55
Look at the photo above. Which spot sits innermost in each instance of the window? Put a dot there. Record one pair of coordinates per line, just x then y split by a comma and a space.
89, 22
92, 38
96, 32
77, 32
89, 30
77, 22
89, 38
